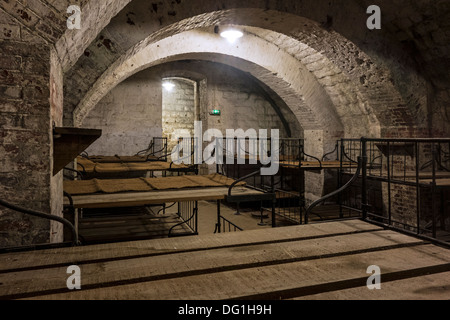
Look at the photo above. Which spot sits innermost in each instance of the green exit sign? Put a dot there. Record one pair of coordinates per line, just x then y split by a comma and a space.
215, 112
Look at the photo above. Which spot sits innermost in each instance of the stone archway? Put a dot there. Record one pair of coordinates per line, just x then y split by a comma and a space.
343, 69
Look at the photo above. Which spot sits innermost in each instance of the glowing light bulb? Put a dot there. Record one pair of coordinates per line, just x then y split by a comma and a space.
231, 35
168, 86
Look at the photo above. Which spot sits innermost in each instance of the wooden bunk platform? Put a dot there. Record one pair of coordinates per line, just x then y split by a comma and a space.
316, 165
323, 260
128, 224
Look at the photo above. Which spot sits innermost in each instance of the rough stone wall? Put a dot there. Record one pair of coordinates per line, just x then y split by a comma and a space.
406, 24
95, 16
56, 100
242, 107
129, 116
404, 208
178, 111
139, 107
25, 133
46, 19
420, 65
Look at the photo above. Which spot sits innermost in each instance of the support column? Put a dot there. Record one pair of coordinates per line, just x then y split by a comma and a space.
28, 76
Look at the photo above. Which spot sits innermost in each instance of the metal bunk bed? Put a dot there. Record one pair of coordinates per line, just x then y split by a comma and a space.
184, 190
151, 162
402, 184
289, 182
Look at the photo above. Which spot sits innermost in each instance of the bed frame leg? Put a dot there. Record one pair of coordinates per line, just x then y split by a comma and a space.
218, 226
261, 222
238, 212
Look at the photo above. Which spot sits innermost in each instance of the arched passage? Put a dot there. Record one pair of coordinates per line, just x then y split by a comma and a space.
180, 108
352, 81
320, 107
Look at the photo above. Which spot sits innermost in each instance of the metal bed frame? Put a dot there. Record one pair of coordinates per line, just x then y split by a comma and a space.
402, 184
156, 152
289, 183
156, 148
187, 202
382, 169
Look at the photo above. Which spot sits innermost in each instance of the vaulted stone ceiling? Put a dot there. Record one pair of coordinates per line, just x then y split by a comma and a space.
412, 45
412, 35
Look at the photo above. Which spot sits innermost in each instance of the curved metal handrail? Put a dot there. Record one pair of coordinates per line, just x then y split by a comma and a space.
304, 153
43, 215
163, 156
82, 167
183, 157
240, 180
246, 152
350, 159
229, 223
69, 196
373, 160
146, 150
165, 208
336, 192
327, 154
194, 212
84, 154
78, 172
193, 166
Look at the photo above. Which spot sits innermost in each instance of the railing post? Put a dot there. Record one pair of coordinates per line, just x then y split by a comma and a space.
272, 181
416, 150
196, 217
340, 174
364, 178
433, 188
389, 182
218, 226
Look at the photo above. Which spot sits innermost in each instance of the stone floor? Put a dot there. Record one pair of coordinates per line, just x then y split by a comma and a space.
316, 261
245, 220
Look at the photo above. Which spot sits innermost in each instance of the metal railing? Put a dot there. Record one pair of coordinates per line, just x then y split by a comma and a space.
226, 225
188, 213
401, 184
411, 179
361, 164
34, 213
157, 149
287, 184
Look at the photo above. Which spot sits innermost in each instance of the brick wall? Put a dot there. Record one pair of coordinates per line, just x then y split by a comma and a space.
241, 105
25, 133
178, 110
139, 107
129, 116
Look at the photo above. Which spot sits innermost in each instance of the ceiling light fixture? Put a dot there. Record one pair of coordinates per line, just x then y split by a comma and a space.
168, 86
231, 35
